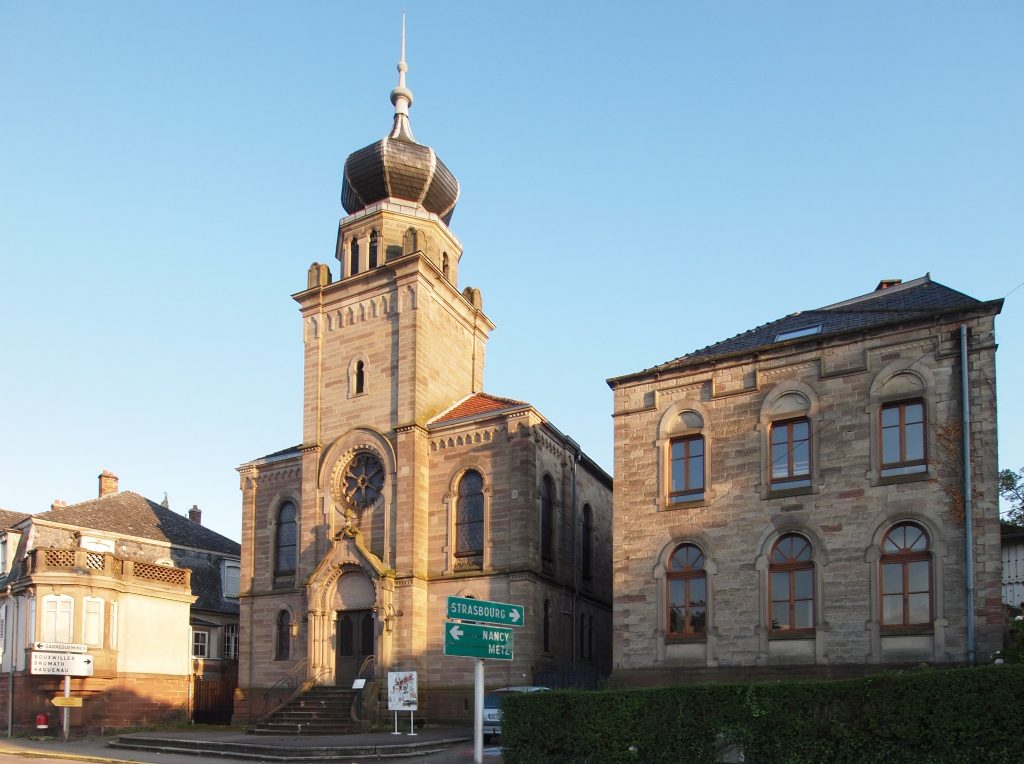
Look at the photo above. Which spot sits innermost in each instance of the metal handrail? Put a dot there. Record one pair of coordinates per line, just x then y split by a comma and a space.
292, 681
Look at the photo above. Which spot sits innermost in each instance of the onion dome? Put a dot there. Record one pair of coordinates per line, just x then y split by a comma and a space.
397, 166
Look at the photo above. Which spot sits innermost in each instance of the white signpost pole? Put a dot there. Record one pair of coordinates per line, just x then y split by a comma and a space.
478, 711
66, 709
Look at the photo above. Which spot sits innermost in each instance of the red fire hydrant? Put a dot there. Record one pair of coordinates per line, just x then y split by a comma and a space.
42, 722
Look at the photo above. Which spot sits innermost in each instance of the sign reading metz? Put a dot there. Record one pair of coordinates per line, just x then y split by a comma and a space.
472, 640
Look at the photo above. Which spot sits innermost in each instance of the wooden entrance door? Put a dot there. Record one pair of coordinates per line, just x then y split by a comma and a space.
355, 644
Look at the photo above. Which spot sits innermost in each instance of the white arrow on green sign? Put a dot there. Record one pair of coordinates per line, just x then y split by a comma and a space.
483, 611
472, 640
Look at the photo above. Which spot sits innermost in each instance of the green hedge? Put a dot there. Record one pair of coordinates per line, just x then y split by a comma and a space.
926, 715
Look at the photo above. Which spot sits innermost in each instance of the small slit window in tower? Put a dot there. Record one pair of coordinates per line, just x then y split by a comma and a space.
373, 249
444, 264
360, 378
353, 261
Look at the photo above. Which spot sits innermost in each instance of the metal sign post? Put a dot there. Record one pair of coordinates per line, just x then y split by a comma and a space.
67, 711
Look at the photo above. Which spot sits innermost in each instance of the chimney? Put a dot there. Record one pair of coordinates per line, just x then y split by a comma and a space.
58, 504
886, 283
196, 515
108, 483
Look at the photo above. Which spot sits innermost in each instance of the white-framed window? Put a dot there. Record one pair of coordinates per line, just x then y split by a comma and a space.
231, 642
200, 644
3, 553
58, 618
113, 625
92, 621
3, 632
231, 572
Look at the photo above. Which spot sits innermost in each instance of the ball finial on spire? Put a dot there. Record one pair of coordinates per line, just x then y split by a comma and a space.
401, 97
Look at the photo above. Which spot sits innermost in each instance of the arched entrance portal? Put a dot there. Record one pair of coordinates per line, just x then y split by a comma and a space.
355, 625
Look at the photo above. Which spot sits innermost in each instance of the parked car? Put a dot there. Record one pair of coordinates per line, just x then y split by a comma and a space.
492, 707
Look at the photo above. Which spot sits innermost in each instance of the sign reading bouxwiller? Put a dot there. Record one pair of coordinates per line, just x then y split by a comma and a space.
483, 611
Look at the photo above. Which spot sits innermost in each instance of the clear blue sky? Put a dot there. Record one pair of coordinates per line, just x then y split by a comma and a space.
638, 180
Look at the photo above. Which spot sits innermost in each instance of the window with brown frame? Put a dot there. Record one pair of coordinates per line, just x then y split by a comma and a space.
791, 585
791, 454
687, 592
687, 469
906, 568
902, 433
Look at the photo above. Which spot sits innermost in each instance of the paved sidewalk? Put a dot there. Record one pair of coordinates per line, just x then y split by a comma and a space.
170, 747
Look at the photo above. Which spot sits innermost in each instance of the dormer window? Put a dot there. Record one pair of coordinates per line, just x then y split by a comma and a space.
231, 571
805, 331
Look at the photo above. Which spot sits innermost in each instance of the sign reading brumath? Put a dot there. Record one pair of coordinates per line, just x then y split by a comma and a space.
482, 611
67, 664
472, 640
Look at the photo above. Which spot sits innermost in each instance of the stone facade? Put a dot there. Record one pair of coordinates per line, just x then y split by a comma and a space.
412, 484
736, 400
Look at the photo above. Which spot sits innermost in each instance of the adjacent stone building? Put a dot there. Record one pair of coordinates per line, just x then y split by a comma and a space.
411, 483
150, 595
794, 496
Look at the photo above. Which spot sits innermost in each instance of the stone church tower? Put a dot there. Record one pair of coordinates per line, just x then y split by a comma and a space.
411, 483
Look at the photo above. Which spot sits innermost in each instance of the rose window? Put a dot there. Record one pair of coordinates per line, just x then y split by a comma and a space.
363, 480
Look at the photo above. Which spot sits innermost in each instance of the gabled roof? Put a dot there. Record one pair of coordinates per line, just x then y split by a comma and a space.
914, 300
130, 514
9, 518
475, 405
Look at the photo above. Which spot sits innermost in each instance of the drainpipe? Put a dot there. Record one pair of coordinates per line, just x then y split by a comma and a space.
968, 503
10, 676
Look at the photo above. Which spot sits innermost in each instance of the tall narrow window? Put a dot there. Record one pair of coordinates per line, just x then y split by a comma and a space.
444, 264
410, 242
791, 583
58, 618
547, 518
231, 642
360, 378
583, 636
286, 541
353, 257
469, 521
687, 469
547, 626
373, 249
903, 451
791, 454
92, 621
687, 592
587, 542
283, 642
906, 577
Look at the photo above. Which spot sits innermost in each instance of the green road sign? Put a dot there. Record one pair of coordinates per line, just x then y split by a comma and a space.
482, 611
471, 640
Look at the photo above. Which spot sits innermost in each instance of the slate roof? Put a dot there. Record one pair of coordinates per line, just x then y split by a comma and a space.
913, 300
476, 405
134, 515
9, 518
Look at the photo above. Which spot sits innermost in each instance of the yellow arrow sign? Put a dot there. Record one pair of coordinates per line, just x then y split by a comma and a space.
60, 700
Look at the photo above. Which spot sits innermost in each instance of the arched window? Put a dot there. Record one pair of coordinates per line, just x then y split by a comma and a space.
469, 520
444, 264
587, 542
283, 636
791, 584
286, 540
360, 378
373, 249
410, 241
906, 576
791, 454
687, 592
547, 518
353, 257
547, 626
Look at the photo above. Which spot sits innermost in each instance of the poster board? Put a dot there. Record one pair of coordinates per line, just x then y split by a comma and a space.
402, 691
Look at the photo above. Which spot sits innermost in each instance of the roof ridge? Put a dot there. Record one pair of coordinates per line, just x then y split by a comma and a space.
875, 293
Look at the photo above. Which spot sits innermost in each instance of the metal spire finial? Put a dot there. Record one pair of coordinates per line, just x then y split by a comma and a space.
401, 97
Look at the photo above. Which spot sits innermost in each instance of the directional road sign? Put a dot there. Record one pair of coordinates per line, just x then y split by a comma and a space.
482, 611
60, 647
471, 640
68, 664
61, 702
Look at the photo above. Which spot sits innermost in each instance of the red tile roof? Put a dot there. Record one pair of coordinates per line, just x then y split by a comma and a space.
476, 404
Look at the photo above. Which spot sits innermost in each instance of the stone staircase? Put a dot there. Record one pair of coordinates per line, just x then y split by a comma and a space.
318, 711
